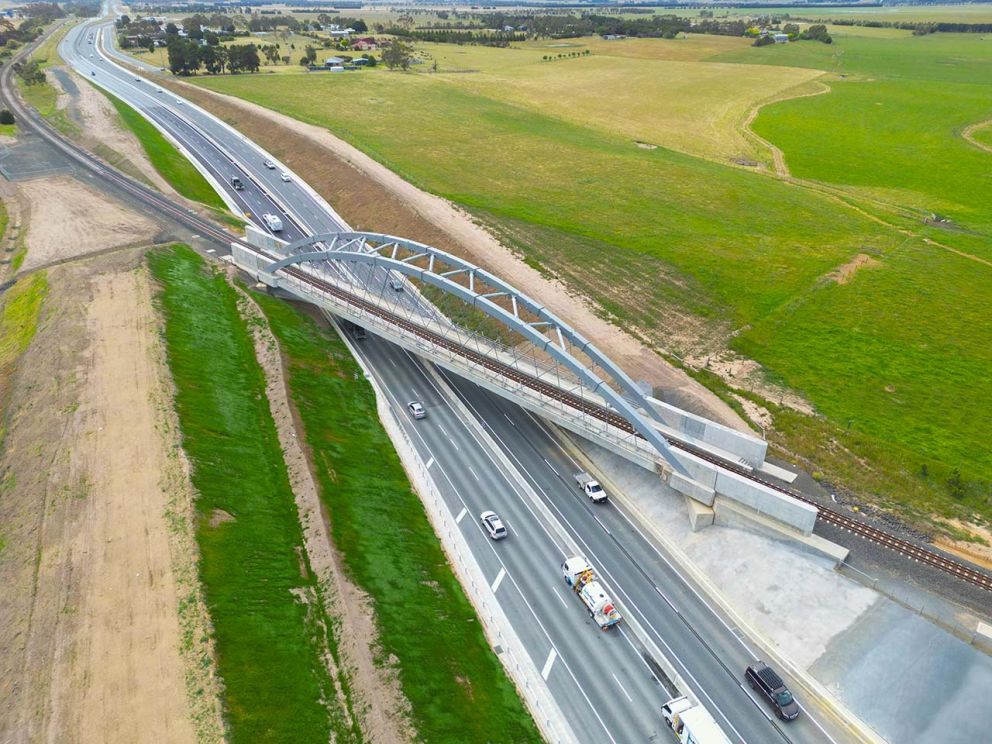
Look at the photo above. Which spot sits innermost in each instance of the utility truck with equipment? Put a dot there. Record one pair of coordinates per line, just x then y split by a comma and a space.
578, 574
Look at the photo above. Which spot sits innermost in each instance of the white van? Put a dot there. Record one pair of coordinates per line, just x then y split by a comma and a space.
272, 222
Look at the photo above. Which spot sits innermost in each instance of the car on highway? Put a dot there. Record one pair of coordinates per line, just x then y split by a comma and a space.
270, 165
764, 680
396, 284
93, 73
416, 409
137, 79
285, 177
158, 90
494, 525
179, 102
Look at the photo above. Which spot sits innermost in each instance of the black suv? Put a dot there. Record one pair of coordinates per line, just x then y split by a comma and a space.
764, 680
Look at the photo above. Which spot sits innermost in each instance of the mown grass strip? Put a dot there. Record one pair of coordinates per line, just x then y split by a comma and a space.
252, 561
166, 159
457, 688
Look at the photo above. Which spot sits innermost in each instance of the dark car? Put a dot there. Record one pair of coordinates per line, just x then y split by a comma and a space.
764, 680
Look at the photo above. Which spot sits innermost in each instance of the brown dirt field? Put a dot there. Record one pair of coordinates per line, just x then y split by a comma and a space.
370, 196
68, 219
100, 123
383, 712
98, 529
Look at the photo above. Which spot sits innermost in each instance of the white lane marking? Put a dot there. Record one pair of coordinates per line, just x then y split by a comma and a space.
461, 515
509, 419
576, 535
473, 472
550, 466
617, 680
499, 580
443, 430
430, 462
457, 448
391, 361
560, 598
389, 394
552, 655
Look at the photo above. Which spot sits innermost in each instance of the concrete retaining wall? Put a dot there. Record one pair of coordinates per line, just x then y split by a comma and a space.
767, 501
697, 429
497, 626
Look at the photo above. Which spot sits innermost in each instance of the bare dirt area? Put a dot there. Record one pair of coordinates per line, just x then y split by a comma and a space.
69, 220
378, 702
99, 122
844, 274
370, 196
102, 637
976, 552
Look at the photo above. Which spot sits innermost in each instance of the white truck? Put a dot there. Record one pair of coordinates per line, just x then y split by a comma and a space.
272, 222
590, 487
578, 574
692, 723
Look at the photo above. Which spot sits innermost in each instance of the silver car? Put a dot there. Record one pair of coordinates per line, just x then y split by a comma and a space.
416, 409
493, 524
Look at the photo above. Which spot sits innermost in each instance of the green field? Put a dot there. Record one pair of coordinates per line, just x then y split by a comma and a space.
691, 249
389, 548
164, 157
252, 561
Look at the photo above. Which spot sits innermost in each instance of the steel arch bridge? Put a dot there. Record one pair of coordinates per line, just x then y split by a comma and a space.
498, 299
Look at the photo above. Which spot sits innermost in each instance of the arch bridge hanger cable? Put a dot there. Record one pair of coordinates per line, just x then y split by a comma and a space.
441, 270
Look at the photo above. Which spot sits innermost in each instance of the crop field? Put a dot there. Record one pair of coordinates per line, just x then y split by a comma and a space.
690, 249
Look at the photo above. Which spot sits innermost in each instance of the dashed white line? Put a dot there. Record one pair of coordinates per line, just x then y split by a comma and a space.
552, 655
499, 580
560, 598
429, 463
473, 472
550, 465
461, 515
617, 680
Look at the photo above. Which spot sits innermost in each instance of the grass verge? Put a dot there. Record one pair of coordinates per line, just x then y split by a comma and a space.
18, 323
164, 157
253, 566
389, 547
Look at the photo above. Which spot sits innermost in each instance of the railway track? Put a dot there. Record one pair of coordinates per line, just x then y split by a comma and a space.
29, 119
903, 547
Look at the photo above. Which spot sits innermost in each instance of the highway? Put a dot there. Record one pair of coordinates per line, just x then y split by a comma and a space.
607, 683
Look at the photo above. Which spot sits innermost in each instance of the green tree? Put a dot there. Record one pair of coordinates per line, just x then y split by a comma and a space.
398, 54
6, 117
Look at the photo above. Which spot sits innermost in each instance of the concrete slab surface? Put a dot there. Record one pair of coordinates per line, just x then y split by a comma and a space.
910, 680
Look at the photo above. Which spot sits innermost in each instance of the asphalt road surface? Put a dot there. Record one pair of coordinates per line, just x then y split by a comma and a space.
608, 684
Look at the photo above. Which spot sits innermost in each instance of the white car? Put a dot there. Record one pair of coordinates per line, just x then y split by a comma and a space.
285, 177
493, 524
179, 102
158, 90
396, 284
416, 409
270, 165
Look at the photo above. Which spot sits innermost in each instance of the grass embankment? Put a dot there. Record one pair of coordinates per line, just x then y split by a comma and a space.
252, 561
389, 547
18, 323
43, 96
687, 249
166, 159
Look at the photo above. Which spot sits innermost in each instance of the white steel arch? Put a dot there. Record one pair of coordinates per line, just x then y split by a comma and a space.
437, 268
